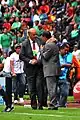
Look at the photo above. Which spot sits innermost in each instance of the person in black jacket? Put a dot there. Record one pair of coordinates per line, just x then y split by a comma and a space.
33, 69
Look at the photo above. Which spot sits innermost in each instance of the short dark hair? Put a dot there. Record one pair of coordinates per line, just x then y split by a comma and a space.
17, 45
10, 53
46, 34
62, 46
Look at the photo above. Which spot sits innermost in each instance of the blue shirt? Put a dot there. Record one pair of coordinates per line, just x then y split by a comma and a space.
69, 58
66, 59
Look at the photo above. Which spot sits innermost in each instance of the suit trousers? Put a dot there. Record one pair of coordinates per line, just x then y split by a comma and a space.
52, 89
35, 84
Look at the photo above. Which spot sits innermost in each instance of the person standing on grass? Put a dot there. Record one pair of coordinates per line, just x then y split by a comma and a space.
63, 84
51, 67
18, 76
8, 77
7, 100
7, 95
33, 69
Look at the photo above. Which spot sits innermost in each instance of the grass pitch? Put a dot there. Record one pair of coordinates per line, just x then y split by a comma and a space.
26, 113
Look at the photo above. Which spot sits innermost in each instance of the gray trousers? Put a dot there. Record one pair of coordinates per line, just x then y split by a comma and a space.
52, 89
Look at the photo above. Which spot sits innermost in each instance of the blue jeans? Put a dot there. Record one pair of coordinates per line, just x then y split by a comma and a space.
63, 92
7, 50
18, 85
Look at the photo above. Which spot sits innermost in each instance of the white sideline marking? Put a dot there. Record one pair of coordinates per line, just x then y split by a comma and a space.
47, 115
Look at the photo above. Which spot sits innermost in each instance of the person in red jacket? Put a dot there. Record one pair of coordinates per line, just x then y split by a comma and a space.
7, 25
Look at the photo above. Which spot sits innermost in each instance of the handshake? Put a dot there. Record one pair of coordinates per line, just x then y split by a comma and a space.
33, 61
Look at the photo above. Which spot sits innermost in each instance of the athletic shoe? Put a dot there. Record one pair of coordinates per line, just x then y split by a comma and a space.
8, 109
15, 101
21, 100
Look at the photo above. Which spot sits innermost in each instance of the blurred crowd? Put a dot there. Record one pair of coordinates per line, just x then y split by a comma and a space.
60, 17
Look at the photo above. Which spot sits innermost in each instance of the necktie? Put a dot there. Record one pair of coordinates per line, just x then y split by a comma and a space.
34, 45
34, 50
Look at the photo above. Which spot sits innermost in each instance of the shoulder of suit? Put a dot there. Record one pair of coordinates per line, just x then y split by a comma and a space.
25, 42
52, 44
39, 40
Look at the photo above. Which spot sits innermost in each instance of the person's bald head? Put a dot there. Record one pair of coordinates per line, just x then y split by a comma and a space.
32, 30
32, 33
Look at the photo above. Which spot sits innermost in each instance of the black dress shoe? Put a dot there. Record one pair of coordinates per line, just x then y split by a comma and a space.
45, 105
52, 108
34, 107
40, 108
62, 106
33, 104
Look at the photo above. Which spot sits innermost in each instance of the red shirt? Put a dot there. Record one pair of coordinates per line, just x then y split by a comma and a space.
43, 7
7, 25
70, 11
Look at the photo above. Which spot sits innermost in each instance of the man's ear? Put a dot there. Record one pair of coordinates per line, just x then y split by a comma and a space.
28, 32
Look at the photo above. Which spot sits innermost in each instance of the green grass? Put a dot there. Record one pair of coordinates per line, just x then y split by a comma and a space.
70, 98
24, 113
27, 97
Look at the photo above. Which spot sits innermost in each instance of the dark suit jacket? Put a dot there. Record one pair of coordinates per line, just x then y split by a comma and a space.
26, 55
50, 59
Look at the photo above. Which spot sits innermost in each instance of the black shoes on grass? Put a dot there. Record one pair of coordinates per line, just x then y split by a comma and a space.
8, 109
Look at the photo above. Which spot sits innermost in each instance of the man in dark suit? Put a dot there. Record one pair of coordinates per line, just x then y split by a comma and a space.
50, 59
33, 69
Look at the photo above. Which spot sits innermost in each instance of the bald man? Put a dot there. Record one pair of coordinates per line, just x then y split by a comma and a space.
33, 69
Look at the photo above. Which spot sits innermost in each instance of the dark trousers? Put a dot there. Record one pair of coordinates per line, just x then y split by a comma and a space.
9, 89
7, 95
35, 84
